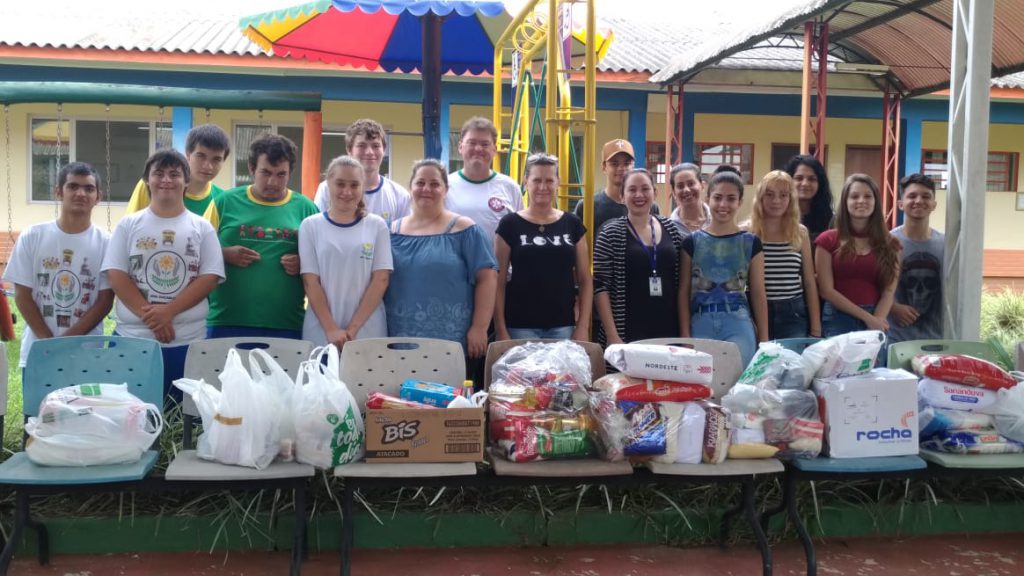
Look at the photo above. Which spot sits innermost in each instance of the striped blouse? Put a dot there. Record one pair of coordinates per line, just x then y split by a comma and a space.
783, 271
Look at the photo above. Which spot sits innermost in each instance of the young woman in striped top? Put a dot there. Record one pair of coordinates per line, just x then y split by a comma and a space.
790, 286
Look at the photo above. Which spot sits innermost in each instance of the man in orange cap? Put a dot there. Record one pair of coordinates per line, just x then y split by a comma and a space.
616, 161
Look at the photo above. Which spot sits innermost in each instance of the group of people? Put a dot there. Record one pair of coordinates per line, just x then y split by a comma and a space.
462, 257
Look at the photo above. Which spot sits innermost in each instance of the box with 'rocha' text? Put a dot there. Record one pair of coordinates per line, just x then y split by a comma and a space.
873, 414
425, 435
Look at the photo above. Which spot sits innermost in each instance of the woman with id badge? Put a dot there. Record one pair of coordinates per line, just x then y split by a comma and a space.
636, 269
720, 263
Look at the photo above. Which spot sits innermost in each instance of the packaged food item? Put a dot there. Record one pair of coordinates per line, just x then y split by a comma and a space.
752, 451
379, 400
623, 387
610, 427
716, 434
972, 442
685, 424
746, 428
430, 393
776, 367
672, 363
647, 433
961, 369
795, 437
546, 436
939, 394
933, 420
846, 355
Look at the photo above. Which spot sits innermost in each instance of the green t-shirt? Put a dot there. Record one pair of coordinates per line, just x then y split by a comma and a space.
195, 204
261, 295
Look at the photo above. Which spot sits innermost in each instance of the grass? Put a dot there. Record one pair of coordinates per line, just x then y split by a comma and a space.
1002, 318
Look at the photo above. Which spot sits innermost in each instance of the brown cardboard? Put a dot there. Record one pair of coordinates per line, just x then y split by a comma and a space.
425, 435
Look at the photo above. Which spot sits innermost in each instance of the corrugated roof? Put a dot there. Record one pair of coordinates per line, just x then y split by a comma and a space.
911, 36
161, 33
646, 46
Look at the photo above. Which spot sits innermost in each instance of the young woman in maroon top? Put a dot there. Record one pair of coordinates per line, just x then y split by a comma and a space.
857, 262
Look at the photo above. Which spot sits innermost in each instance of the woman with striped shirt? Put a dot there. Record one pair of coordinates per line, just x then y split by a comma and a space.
793, 307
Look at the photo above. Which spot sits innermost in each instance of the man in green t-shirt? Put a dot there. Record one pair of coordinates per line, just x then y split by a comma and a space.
206, 148
258, 228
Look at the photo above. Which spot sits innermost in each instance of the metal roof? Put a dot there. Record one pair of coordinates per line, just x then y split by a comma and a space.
912, 37
645, 45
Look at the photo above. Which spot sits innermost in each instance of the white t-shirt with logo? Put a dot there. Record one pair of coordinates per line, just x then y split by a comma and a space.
163, 256
486, 202
63, 271
344, 256
389, 200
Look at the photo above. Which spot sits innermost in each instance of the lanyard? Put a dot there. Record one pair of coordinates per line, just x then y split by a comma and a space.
652, 255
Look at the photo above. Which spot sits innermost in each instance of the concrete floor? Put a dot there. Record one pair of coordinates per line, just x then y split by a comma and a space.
974, 555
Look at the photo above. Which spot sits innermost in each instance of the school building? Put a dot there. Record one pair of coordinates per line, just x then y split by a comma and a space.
734, 121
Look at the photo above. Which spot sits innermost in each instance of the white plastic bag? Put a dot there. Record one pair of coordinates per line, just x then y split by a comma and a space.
283, 387
846, 355
1009, 413
329, 429
241, 422
92, 424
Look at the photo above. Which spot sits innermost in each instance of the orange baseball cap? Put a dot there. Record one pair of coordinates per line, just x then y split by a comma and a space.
613, 147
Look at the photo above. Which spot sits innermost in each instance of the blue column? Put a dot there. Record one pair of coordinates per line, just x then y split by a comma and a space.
181, 123
638, 128
689, 117
445, 122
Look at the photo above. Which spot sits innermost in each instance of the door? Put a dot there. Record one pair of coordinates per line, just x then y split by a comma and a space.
865, 160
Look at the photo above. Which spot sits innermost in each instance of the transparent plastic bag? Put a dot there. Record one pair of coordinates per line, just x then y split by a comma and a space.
845, 355
91, 425
1009, 413
329, 429
776, 367
787, 419
542, 435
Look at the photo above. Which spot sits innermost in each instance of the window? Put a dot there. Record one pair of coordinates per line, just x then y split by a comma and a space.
332, 145
656, 162
131, 142
741, 156
1002, 169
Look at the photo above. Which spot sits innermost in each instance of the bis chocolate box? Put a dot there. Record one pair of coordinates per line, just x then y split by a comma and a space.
424, 435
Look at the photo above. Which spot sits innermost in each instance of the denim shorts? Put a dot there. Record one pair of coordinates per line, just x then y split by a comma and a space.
788, 319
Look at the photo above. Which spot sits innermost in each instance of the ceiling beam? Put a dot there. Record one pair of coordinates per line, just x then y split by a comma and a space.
914, 7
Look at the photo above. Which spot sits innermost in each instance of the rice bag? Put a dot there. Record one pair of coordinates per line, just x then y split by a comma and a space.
685, 432
961, 369
716, 434
939, 394
647, 432
932, 421
846, 355
672, 363
623, 387
972, 442
776, 367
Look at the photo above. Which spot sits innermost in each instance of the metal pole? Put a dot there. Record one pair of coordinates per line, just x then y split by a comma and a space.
821, 49
805, 89
890, 153
430, 74
970, 77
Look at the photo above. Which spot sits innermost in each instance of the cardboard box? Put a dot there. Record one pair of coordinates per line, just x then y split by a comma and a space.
874, 414
424, 435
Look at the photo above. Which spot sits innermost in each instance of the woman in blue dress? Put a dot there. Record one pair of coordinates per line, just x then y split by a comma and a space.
445, 273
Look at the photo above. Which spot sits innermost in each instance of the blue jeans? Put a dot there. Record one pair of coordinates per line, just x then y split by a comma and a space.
788, 318
246, 331
559, 333
731, 324
835, 322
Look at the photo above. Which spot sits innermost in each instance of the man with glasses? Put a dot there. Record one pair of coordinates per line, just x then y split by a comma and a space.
476, 191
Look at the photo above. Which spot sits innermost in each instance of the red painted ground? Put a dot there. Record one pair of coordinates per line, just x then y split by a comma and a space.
977, 555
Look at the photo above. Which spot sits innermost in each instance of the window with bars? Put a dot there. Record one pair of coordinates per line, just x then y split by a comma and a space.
656, 161
1001, 174
80, 140
713, 155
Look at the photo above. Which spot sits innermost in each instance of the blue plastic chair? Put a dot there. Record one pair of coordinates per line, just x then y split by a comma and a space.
797, 345
58, 363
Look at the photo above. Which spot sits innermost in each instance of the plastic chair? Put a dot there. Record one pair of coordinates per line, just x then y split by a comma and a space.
901, 353
205, 360
61, 362
727, 363
797, 345
381, 365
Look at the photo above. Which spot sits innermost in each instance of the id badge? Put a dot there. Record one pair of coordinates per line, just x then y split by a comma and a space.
655, 285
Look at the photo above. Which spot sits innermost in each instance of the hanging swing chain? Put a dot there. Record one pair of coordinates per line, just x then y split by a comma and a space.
107, 171
7, 169
60, 121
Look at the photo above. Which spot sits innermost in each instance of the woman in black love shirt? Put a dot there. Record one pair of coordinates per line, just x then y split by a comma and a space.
543, 247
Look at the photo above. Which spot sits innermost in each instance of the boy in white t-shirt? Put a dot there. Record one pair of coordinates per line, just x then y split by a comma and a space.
476, 191
163, 262
55, 266
366, 141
